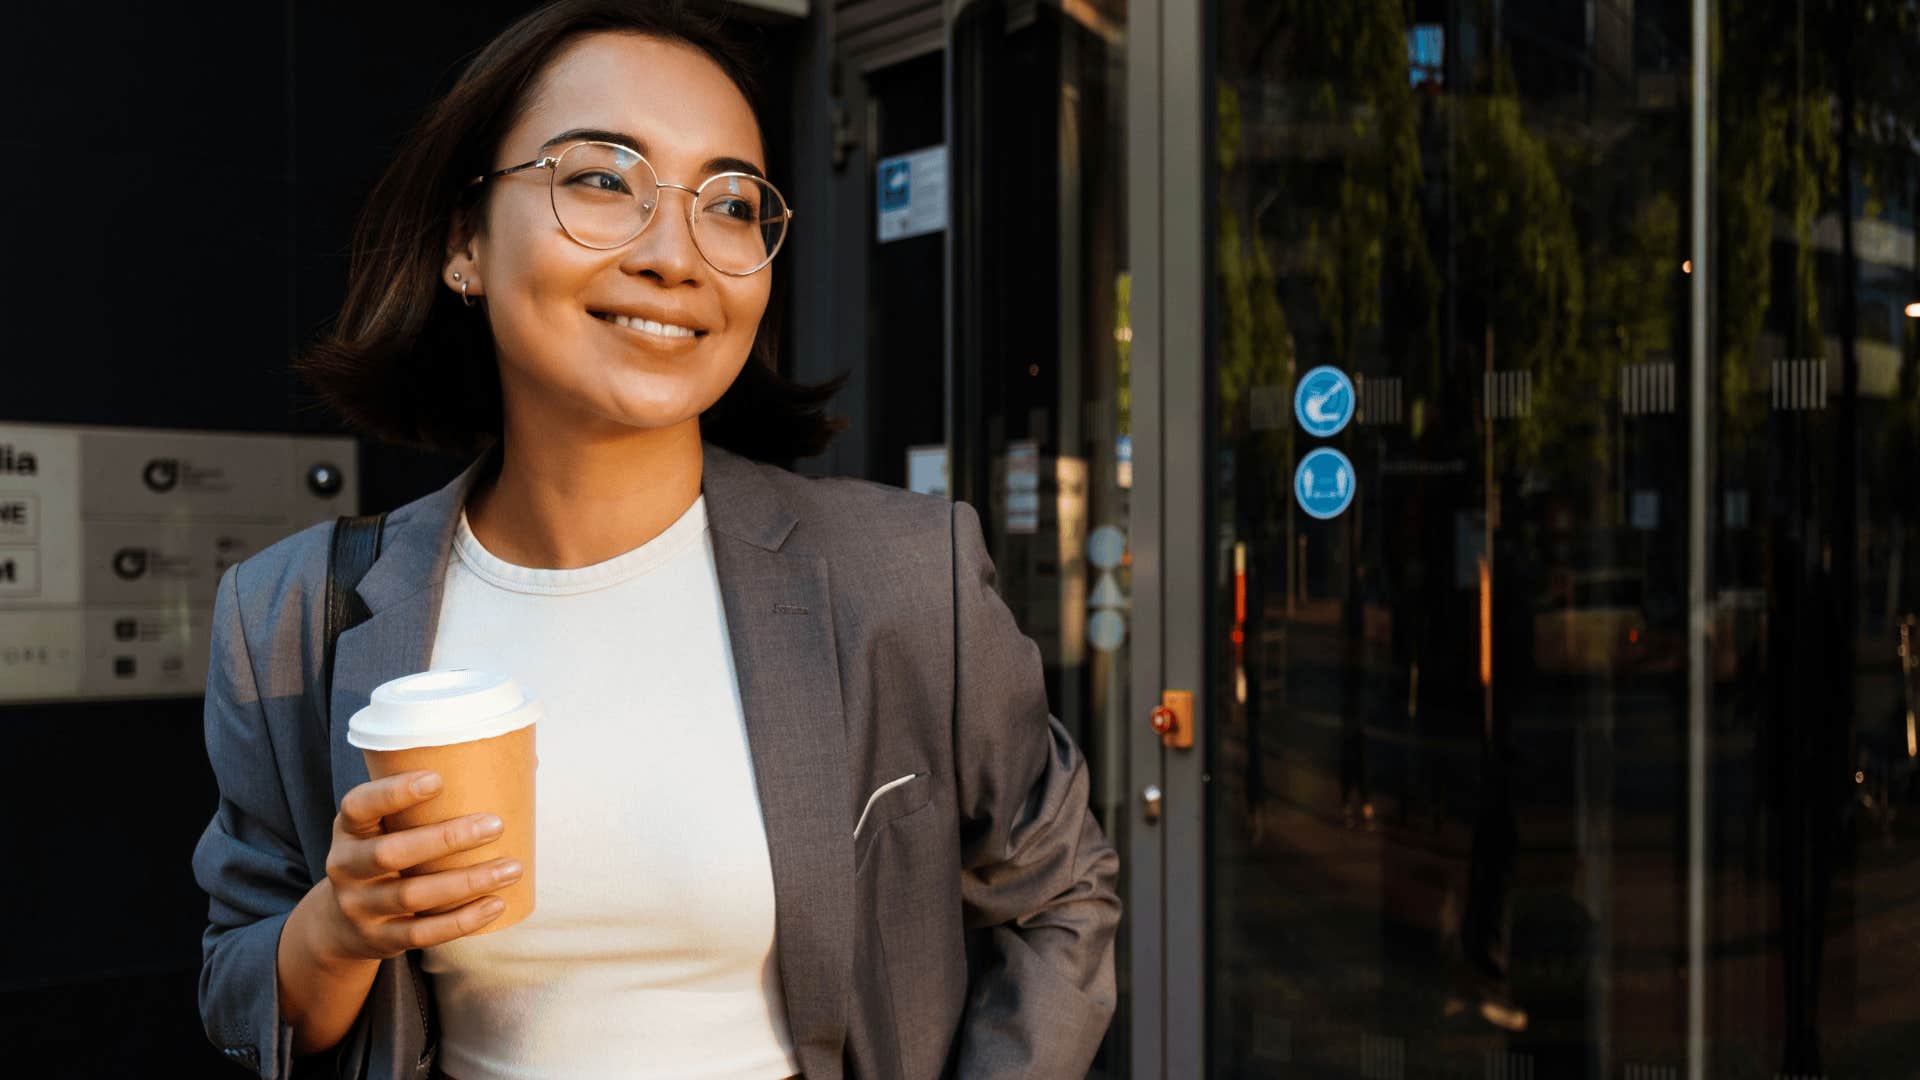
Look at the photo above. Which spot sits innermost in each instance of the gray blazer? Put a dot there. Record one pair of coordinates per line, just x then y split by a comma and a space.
968, 930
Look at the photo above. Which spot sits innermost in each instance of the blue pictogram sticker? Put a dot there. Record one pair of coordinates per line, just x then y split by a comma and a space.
896, 188
1324, 484
1324, 401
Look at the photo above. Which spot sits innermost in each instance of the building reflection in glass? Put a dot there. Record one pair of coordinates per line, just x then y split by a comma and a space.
1449, 819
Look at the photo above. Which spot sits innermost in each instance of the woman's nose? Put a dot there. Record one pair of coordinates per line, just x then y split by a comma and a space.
665, 248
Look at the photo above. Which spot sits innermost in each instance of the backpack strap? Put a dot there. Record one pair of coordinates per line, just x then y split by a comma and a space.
356, 544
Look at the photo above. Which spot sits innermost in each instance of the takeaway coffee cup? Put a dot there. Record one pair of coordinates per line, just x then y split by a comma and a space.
476, 730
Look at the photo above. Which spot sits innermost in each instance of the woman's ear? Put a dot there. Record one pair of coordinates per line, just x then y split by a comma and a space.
462, 270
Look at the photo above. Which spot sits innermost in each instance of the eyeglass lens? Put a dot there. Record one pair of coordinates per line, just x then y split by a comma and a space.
604, 195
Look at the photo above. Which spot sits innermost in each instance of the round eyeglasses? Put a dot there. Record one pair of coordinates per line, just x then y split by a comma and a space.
605, 194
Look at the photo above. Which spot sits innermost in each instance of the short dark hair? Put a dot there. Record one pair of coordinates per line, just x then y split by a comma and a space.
405, 362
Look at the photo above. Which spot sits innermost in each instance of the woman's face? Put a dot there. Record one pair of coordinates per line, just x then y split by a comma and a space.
550, 300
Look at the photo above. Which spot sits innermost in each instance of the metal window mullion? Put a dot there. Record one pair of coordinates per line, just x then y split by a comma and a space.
1185, 111
1697, 617
1146, 849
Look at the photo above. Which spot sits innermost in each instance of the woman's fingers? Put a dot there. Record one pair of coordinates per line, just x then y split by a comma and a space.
365, 804
407, 895
393, 852
430, 930
374, 904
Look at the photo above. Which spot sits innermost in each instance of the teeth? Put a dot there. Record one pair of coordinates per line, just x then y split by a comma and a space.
650, 327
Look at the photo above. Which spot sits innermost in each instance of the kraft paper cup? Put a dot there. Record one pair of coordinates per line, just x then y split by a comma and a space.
477, 731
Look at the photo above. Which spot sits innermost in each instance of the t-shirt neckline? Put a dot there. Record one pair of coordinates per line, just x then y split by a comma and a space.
690, 526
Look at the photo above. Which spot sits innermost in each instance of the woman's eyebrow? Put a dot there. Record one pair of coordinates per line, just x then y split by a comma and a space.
713, 165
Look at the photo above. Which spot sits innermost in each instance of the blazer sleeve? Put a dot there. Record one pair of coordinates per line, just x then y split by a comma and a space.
247, 860
1038, 875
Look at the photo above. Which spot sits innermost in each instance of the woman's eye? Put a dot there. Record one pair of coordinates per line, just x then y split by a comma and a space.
732, 209
601, 181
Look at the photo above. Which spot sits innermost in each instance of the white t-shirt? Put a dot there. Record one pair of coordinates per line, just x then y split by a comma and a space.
650, 948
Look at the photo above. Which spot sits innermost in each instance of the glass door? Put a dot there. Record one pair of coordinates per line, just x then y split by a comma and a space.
1041, 378
1541, 439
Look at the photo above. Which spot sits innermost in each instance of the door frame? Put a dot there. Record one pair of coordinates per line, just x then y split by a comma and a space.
1167, 248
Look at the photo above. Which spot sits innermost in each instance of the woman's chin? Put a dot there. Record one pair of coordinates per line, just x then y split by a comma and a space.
651, 415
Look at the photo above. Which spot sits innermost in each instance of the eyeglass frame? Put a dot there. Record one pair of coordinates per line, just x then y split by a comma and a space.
693, 205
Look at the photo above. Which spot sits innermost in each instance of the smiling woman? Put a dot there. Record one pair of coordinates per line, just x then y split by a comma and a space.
408, 363
800, 805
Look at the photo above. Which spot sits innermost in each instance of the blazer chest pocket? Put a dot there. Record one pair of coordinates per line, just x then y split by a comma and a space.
887, 803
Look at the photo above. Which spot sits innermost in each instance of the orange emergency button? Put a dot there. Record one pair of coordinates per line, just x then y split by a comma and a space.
1172, 719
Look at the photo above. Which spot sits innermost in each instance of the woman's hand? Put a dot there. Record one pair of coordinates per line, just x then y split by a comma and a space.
373, 910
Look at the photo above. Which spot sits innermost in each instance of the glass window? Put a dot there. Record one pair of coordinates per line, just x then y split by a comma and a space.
1449, 732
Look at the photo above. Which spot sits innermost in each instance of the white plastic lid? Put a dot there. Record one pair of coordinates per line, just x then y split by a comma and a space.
439, 708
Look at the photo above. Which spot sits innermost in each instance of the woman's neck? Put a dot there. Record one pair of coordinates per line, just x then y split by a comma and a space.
560, 503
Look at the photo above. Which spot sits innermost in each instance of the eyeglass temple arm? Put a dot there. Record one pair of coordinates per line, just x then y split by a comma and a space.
537, 163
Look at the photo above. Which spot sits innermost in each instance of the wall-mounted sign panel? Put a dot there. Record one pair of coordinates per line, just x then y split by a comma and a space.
113, 540
912, 198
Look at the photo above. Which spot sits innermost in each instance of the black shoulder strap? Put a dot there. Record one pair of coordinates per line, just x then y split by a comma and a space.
356, 544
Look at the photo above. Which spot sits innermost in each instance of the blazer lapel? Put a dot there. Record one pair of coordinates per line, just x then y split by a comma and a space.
779, 618
402, 590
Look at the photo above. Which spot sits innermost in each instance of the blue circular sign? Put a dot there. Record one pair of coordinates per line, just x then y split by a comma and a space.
1324, 401
1325, 483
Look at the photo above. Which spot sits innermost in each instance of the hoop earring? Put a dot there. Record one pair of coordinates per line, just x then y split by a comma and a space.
464, 298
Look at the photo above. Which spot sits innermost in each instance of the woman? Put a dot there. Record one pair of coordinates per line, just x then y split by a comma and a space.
802, 809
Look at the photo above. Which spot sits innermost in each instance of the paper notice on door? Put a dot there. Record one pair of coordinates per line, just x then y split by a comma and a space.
1023, 487
912, 194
